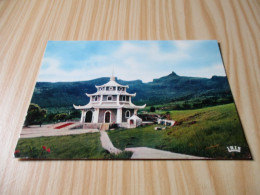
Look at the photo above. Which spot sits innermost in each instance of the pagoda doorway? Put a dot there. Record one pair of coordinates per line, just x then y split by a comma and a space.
88, 118
107, 117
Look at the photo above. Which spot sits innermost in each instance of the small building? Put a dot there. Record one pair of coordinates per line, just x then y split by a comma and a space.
110, 104
134, 121
166, 122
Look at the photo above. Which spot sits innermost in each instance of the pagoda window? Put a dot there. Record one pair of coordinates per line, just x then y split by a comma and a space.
95, 98
109, 98
123, 98
111, 88
127, 114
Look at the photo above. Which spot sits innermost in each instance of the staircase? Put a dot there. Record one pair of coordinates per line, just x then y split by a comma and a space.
104, 127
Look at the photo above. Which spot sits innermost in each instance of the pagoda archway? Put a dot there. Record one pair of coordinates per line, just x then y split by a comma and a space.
107, 117
88, 118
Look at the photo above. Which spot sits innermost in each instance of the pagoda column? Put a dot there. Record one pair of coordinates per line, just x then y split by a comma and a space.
101, 99
119, 115
117, 100
95, 115
82, 119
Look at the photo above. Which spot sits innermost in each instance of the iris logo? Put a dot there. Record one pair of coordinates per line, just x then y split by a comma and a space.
234, 149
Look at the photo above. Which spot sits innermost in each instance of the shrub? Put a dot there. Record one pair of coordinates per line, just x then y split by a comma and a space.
152, 109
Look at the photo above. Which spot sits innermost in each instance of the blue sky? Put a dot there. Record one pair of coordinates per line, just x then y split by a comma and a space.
131, 60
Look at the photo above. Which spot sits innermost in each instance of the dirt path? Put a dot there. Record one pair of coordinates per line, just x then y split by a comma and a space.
107, 144
150, 153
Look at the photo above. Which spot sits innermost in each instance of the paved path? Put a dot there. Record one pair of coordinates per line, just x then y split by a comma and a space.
47, 130
150, 153
107, 144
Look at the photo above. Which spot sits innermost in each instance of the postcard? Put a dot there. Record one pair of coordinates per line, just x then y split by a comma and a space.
132, 100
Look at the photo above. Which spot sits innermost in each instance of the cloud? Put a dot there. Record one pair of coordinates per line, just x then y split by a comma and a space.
182, 45
131, 61
206, 72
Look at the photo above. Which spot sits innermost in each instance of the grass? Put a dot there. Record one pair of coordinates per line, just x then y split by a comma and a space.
83, 146
203, 132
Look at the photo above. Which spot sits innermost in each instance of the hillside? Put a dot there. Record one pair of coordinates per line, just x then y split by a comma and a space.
164, 89
202, 132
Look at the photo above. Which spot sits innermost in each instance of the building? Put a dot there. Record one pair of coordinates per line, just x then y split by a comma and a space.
110, 104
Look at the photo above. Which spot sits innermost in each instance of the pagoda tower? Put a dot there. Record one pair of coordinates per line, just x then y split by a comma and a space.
110, 104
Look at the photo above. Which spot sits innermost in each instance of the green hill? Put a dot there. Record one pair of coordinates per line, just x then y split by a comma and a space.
169, 88
202, 132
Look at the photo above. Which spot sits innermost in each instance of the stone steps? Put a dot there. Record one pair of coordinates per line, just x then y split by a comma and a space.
104, 127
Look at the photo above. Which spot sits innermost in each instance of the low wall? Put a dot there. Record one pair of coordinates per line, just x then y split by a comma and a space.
87, 126
123, 125
92, 125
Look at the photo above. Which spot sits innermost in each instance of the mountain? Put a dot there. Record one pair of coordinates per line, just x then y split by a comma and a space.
159, 91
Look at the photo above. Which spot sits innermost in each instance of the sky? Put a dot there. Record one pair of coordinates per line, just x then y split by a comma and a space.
129, 60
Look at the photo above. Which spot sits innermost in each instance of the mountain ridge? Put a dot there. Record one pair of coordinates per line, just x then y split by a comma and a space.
160, 90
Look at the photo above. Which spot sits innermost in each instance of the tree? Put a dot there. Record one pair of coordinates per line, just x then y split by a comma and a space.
75, 114
152, 109
35, 115
60, 117
50, 117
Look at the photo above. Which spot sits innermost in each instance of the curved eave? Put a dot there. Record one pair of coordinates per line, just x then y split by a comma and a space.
132, 95
90, 95
141, 107
134, 106
109, 106
118, 85
110, 93
83, 107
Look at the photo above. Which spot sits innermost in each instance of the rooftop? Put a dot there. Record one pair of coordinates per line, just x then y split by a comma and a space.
112, 83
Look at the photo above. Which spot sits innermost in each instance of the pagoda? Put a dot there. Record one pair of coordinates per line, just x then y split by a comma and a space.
110, 104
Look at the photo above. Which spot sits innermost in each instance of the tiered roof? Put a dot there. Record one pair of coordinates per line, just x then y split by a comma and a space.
111, 93
110, 104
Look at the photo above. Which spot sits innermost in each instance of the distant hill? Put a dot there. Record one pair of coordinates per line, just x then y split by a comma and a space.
164, 89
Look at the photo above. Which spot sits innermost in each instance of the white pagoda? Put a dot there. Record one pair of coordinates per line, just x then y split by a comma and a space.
110, 104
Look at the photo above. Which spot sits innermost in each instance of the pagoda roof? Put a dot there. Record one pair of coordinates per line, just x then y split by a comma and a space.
112, 83
135, 117
106, 105
111, 93
131, 105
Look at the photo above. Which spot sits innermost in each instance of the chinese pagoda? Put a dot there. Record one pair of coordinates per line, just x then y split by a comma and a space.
110, 104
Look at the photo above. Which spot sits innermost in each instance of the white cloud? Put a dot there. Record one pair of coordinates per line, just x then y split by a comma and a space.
208, 72
130, 62
182, 45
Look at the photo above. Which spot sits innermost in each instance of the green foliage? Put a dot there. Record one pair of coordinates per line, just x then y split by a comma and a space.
193, 103
83, 146
50, 117
35, 115
60, 117
152, 109
75, 114
64, 147
56, 117
203, 132
122, 155
60, 96
34, 152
